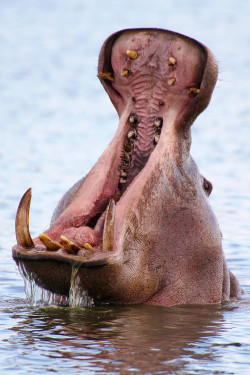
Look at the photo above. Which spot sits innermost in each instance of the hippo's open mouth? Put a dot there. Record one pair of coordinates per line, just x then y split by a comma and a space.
129, 212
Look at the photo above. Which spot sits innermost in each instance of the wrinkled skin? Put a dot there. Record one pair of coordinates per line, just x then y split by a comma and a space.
139, 226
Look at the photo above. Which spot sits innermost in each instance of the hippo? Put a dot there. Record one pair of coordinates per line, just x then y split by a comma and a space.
138, 229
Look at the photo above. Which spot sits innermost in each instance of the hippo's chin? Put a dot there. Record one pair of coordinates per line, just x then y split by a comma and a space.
139, 226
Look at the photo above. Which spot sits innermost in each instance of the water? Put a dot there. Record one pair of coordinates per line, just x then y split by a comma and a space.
55, 122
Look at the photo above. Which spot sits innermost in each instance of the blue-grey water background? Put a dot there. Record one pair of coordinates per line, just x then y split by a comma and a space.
55, 121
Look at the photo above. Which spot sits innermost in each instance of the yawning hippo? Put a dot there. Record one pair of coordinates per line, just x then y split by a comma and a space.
139, 225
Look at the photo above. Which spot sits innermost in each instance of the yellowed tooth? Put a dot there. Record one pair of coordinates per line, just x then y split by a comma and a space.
122, 180
171, 61
22, 221
193, 90
88, 246
108, 230
49, 243
108, 76
68, 245
132, 54
171, 81
124, 72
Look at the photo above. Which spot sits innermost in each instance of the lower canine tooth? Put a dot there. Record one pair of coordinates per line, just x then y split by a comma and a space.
68, 245
49, 243
108, 230
22, 221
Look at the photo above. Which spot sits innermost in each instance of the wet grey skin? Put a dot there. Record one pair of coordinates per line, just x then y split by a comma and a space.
139, 227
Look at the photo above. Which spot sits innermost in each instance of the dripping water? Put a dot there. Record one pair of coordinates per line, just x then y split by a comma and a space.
37, 296
78, 297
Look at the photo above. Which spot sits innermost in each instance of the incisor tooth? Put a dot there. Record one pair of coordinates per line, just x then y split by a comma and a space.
68, 245
22, 221
49, 243
108, 230
108, 76
132, 54
88, 246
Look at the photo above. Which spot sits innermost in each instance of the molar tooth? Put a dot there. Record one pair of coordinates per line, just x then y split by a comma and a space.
49, 243
124, 72
123, 174
108, 231
133, 119
161, 103
126, 157
122, 180
132, 134
128, 147
156, 138
171, 81
108, 76
158, 122
22, 221
171, 61
132, 54
68, 245
193, 90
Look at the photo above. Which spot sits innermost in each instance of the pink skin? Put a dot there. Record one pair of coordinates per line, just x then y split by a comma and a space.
167, 242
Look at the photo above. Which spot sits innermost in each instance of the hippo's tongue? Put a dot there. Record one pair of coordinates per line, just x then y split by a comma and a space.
155, 80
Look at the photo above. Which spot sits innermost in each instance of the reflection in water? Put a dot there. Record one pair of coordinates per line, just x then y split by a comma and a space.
120, 339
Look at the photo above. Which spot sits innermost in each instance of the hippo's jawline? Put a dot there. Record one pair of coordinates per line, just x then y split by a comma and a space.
159, 82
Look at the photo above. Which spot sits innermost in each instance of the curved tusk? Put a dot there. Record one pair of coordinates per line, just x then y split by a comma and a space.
22, 221
108, 231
